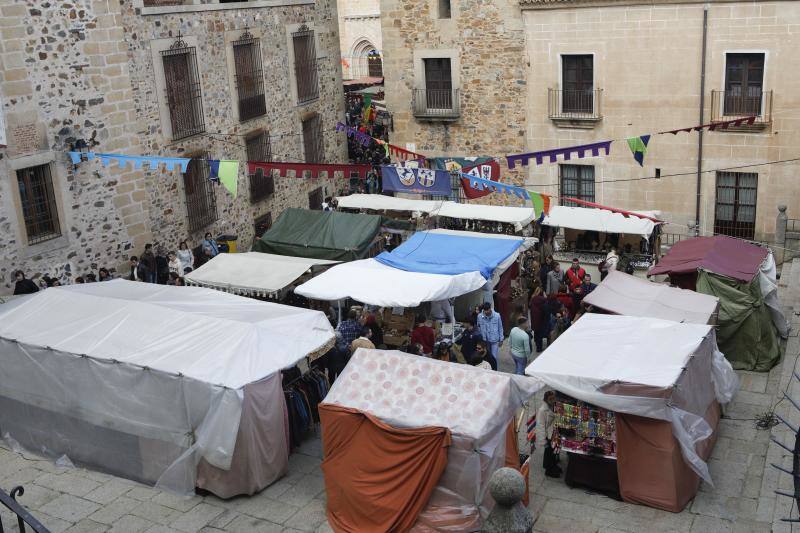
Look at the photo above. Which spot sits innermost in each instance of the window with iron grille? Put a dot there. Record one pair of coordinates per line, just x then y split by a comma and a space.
262, 225
374, 64
313, 143
38, 203
438, 83
735, 210
184, 97
249, 77
259, 149
577, 181
305, 65
201, 201
315, 199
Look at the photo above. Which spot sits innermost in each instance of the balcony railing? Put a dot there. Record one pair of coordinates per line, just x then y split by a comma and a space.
25, 521
730, 105
433, 104
581, 106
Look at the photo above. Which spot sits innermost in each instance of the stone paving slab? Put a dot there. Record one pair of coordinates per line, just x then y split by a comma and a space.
743, 500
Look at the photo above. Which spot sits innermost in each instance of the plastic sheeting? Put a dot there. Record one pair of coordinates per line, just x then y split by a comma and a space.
662, 370
142, 380
768, 281
518, 216
373, 283
252, 272
624, 294
582, 218
720, 254
451, 254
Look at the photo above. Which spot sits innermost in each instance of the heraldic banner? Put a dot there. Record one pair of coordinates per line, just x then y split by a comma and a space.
416, 180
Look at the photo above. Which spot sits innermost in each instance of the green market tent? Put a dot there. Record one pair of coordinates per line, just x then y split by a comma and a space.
742, 276
320, 235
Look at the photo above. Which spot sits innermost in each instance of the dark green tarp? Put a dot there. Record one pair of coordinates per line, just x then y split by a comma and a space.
746, 334
320, 235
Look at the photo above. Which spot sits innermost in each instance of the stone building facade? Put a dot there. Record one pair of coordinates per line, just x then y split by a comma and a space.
455, 76
360, 38
95, 71
643, 68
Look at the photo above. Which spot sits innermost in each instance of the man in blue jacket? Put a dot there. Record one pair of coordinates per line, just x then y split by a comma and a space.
490, 326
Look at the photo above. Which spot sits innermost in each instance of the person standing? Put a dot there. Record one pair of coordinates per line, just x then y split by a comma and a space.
149, 261
586, 285
540, 320
104, 274
546, 419
185, 256
423, 334
490, 326
575, 274
520, 343
610, 263
209, 246
363, 341
138, 270
174, 264
346, 332
469, 340
554, 279
23, 285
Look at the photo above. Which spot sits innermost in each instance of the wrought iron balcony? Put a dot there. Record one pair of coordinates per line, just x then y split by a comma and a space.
576, 108
731, 104
433, 104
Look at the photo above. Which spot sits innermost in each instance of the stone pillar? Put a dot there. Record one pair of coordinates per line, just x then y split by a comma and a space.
507, 487
780, 235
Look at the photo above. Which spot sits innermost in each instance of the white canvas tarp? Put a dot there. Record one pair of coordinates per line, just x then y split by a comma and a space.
252, 272
624, 294
590, 219
154, 373
642, 366
374, 283
519, 216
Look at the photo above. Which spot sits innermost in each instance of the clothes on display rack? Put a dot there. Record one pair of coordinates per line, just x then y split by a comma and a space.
303, 394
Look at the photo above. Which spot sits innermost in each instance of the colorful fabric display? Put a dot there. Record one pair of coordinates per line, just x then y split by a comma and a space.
567, 152
495, 186
312, 170
541, 203
135, 160
490, 170
416, 180
714, 125
638, 146
360, 136
226, 172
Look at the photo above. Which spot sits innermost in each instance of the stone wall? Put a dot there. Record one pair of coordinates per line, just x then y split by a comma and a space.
648, 61
485, 40
208, 30
64, 76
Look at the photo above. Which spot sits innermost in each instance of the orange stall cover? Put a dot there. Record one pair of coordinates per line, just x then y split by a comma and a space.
377, 477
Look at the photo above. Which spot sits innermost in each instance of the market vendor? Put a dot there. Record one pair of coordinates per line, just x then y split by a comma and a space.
546, 419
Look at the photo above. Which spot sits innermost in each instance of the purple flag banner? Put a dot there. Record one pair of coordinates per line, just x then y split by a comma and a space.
416, 180
567, 152
361, 137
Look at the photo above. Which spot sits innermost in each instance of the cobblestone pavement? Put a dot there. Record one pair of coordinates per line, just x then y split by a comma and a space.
742, 500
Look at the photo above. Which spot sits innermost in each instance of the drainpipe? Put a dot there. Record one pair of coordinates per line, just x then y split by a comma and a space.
700, 121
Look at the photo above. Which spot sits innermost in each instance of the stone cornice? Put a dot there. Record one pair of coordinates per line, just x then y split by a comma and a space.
365, 16
569, 4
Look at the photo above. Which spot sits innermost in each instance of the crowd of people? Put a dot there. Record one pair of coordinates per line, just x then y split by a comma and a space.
154, 265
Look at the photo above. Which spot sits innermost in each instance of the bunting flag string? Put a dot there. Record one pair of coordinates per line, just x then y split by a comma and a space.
495, 186
638, 146
541, 203
226, 172
489, 170
566, 152
308, 169
360, 136
714, 125
132, 160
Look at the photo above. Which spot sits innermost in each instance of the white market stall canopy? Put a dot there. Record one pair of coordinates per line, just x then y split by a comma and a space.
601, 220
252, 272
519, 216
624, 294
203, 334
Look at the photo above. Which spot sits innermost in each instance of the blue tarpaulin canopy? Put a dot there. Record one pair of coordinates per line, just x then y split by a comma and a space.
436, 253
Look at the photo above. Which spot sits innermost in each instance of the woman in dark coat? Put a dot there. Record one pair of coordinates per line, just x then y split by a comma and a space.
540, 319
24, 285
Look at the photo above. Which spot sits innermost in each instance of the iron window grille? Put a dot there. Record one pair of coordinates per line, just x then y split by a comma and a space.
313, 142
259, 149
577, 181
184, 97
38, 203
305, 65
315, 199
201, 201
374, 64
249, 77
262, 224
735, 210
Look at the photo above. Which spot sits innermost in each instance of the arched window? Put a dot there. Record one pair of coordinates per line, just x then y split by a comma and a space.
365, 60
